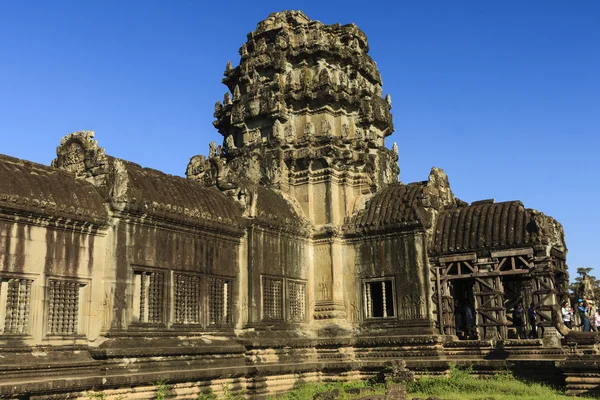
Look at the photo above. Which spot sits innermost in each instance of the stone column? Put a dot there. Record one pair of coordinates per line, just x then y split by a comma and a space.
329, 276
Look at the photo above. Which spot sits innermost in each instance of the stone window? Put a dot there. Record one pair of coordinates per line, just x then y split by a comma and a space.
64, 305
15, 306
379, 298
187, 299
148, 296
272, 298
219, 301
296, 295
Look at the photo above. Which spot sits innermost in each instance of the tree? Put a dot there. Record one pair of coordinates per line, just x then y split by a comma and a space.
580, 283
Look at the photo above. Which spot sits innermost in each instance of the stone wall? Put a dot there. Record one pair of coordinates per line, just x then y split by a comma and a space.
400, 260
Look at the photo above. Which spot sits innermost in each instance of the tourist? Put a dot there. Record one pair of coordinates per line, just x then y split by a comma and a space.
518, 320
597, 319
567, 314
532, 316
458, 318
470, 322
583, 312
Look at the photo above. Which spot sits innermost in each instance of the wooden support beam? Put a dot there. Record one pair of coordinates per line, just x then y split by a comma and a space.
458, 257
513, 252
487, 274
439, 291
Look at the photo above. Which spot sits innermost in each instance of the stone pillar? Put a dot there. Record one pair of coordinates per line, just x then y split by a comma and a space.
329, 276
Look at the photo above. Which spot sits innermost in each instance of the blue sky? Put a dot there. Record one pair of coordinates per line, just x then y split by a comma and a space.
503, 95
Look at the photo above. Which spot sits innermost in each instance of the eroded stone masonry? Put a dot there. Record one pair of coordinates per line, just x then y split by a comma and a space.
291, 253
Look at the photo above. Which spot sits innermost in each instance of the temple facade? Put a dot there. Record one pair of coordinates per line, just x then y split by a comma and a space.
291, 252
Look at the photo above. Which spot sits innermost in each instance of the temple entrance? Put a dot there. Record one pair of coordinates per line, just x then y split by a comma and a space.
489, 289
464, 308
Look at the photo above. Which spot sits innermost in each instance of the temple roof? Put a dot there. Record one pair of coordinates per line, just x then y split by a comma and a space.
396, 206
401, 207
273, 210
41, 190
155, 193
491, 226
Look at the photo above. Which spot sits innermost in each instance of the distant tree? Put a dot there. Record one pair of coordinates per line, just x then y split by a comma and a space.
577, 286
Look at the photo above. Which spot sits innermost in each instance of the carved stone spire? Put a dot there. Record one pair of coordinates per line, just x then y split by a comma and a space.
309, 94
288, 47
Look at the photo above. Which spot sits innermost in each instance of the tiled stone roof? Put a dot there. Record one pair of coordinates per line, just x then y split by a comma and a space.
36, 189
397, 205
492, 226
154, 193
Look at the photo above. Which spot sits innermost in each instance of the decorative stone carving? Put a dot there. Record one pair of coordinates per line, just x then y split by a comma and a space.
272, 298
309, 131
187, 299
236, 93
228, 67
325, 128
18, 306
395, 148
324, 78
197, 167
370, 134
359, 134
278, 130
254, 136
219, 305
63, 308
226, 99
388, 99
218, 108
290, 131
119, 184
297, 301
212, 149
238, 114
79, 153
345, 130
229, 143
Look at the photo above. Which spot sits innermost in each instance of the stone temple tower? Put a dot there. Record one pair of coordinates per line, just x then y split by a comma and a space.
304, 115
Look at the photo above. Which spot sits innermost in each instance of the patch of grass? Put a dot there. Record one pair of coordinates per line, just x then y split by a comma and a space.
343, 390
162, 389
461, 384
229, 395
208, 394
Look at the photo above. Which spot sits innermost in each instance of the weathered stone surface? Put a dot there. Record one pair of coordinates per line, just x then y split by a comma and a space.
290, 254
36, 190
494, 226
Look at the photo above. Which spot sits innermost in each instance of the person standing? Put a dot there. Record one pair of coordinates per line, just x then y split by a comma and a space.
583, 312
470, 322
567, 314
532, 316
518, 320
458, 319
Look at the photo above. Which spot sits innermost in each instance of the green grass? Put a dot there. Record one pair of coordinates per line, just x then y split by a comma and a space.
308, 390
459, 385
462, 385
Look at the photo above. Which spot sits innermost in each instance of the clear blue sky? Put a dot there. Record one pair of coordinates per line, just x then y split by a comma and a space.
504, 95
